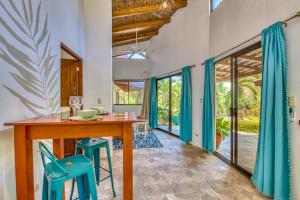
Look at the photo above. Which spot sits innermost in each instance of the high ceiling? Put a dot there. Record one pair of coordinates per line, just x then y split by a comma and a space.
143, 16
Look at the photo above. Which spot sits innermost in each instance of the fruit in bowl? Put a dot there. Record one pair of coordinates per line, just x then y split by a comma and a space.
87, 114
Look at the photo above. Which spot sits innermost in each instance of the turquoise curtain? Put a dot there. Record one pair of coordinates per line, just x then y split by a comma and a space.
208, 125
186, 106
153, 104
273, 168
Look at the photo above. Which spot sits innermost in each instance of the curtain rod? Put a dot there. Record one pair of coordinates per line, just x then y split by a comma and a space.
254, 37
172, 72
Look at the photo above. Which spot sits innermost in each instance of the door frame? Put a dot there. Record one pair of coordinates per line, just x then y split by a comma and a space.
78, 59
234, 109
80, 63
170, 101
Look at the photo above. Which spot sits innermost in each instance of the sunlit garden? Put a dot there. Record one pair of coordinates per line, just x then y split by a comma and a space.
168, 97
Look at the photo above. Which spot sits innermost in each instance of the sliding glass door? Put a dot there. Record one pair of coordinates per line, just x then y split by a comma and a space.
163, 103
237, 107
168, 101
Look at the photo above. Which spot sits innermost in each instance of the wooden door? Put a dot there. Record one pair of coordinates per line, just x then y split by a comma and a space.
71, 85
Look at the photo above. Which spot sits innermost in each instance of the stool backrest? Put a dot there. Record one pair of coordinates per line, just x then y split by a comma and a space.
46, 153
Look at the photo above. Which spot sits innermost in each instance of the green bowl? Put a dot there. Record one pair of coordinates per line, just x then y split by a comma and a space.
86, 114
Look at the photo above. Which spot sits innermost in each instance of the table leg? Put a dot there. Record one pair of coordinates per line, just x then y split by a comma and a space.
58, 148
58, 151
127, 162
23, 164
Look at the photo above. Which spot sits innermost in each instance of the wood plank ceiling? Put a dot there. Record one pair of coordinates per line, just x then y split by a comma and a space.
248, 64
129, 16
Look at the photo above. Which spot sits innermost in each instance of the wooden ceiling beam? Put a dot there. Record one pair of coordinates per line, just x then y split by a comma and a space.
256, 67
130, 41
133, 36
144, 10
251, 58
146, 24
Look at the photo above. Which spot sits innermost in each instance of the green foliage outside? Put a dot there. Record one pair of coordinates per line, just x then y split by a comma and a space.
248, 103
163, 101
222, 127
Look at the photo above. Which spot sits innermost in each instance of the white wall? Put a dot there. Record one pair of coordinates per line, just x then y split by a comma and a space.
65, 24
98, 62
236, 21
126, 69
185, 42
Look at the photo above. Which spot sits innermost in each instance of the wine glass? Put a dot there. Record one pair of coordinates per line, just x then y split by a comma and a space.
80, 102
75, 102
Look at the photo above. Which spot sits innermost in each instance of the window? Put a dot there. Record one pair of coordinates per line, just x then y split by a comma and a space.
214, 4
133, 56
128, 92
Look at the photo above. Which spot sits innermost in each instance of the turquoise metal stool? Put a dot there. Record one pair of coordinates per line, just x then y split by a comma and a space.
91, 148
56, 172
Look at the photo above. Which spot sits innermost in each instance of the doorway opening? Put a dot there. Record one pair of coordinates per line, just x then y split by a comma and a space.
168, 103
70, 85
237, 107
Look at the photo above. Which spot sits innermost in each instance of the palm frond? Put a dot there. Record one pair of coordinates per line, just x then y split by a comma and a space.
36, 75
26, 102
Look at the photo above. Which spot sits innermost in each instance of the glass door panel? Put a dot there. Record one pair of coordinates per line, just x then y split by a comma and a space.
163, 103
237, 107
175, 104
223, 104
248, 95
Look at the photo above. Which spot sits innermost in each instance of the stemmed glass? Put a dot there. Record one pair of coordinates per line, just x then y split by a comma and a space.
76, 103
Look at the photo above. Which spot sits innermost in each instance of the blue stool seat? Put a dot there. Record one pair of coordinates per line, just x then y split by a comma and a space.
56, 172
79, 164
91, 148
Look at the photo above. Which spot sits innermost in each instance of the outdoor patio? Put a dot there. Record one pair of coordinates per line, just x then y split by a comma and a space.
247, 149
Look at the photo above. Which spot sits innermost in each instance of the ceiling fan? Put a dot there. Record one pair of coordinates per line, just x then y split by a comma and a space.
134, 49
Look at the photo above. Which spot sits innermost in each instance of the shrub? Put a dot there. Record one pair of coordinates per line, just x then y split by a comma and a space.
249, 125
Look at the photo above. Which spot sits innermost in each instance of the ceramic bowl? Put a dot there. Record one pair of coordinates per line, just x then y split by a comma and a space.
86, 114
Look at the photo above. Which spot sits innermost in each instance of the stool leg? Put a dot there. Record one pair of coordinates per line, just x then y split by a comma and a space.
59, 190
50, 191
110, 169
92, 184
79, 180
97, 164
45, 189
88, 154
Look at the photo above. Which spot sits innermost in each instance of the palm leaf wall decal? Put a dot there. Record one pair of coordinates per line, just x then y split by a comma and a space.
32, 67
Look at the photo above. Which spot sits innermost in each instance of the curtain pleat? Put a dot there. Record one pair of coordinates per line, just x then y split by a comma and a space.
186, 106
208, 124
153, 104
272, 174
146, 100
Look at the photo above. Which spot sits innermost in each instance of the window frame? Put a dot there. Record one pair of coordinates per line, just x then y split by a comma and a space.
129, 81
234, 124
169, 131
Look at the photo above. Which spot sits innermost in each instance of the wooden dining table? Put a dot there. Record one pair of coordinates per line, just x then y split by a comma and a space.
52, 127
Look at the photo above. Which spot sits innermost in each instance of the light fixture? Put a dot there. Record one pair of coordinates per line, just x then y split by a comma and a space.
166, 8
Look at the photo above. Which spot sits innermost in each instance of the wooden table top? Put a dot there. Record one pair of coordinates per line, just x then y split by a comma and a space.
54, 119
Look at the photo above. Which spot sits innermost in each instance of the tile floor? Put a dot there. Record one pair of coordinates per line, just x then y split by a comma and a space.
178, 171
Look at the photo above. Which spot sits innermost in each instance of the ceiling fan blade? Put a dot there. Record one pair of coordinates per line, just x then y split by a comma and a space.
143, 55
131, 55
123, 54
125, 51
